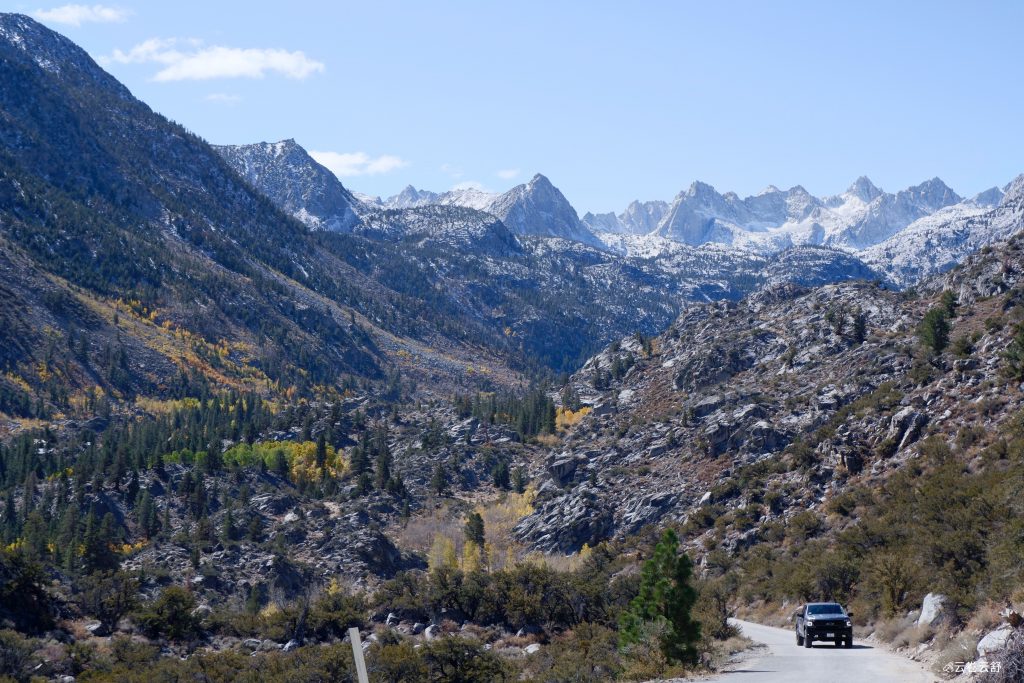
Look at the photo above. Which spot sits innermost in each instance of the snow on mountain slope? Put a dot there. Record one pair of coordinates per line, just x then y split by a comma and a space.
887, 214
410, 197
938, 242
534, 208
639, 218
436, 224
901, 236
775, 219
293, 180
469, 197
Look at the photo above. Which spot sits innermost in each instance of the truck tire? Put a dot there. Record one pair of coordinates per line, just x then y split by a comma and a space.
799, 640
807, 641
848, 642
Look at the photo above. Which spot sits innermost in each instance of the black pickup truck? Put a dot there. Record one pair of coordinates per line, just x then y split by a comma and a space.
823, 621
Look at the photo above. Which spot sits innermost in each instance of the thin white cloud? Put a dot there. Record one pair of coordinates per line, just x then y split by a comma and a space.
223, 98
507, 173
197, 62
76, 15
347, 164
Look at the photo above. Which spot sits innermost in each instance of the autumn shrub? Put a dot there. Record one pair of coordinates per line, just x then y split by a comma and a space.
312, 664
588, 653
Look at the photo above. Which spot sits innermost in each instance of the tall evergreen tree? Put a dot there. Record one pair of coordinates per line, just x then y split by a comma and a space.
665, 600
934, 330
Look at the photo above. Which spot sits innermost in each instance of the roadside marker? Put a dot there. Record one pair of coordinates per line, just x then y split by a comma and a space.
357, 652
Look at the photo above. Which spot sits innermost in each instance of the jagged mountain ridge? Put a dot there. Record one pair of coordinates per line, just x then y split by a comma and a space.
939, 242
860, 217
539, 208
287, 174
639, 218
864, 221
904, 236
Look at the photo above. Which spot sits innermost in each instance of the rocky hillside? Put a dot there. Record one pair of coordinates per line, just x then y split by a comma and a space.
833, 377
134, 251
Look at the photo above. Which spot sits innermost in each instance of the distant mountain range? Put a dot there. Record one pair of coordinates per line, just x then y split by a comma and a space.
902, 236
155, 261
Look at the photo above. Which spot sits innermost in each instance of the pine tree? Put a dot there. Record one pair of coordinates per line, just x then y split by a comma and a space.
10, 531
228, 532
949, 303
439, 480
474, 529
146, 514
96, 553
665, 599
321, 452
859, 333
132, 494
500, 475
519, 480
934, 330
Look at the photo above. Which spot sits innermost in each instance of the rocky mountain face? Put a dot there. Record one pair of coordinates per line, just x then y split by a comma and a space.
295, 182
639, 218
538, 208
938, 242
899, 237
533, 208
599, 290
212, 282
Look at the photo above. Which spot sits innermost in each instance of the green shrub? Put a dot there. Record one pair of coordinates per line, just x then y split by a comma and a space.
334, 613
15, 655
170, 615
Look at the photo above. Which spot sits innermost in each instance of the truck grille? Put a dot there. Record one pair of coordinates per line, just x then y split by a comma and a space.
830, 623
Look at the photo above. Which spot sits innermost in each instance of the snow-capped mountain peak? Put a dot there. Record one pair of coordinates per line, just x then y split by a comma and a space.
1014, 191
539, 208
990, 197
864, 190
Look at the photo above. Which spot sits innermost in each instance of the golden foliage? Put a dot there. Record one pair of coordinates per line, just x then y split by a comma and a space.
472, 557
442, 553
565, 418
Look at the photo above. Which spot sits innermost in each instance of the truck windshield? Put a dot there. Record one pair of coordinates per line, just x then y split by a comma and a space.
830, 608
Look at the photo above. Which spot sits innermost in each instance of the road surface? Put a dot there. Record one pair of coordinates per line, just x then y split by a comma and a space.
784, 662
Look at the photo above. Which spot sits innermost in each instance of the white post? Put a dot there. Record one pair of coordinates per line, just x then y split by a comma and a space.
357, 653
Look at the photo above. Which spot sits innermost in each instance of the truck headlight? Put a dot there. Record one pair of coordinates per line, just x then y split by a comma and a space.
849, 623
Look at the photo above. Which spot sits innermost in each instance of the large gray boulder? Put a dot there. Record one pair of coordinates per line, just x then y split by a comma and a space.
994, 641
933, 609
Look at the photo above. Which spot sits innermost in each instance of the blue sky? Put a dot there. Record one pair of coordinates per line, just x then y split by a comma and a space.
613, 101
